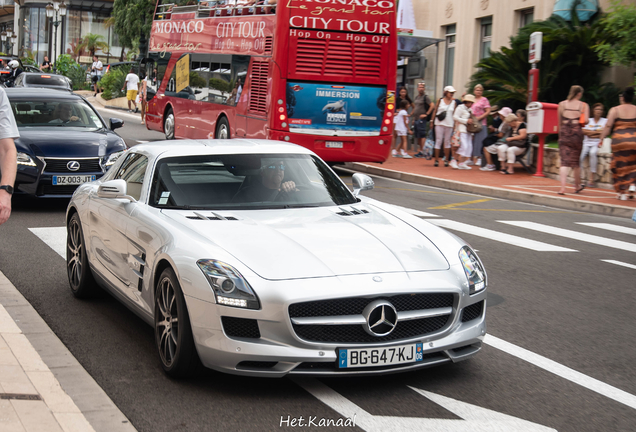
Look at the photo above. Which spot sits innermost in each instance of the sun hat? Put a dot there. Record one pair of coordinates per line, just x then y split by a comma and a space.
511, 117
505, 111
449, 89
468, 98
493, 109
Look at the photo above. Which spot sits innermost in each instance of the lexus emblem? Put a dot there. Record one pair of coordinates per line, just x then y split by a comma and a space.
73, 165
381, 318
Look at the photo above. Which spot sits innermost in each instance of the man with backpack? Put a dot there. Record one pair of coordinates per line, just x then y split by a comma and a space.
422, 111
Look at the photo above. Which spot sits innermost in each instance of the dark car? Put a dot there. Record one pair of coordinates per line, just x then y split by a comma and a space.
63, 141
29, 79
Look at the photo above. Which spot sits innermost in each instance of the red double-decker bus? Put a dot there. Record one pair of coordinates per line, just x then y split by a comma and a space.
318, 73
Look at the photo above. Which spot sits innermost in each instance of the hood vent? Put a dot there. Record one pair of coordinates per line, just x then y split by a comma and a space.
352, 212
214, 216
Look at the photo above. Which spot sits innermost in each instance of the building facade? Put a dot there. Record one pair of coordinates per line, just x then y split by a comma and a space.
469, 29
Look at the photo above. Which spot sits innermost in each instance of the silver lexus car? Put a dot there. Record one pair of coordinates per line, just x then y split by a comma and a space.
252, 257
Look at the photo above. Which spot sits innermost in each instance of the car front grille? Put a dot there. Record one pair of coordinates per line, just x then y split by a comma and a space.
56, 190
356, 333
355, 305
472, 312
59, 165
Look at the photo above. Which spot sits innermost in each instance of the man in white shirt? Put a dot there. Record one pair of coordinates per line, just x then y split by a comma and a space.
132, 87
96, 73
8, 156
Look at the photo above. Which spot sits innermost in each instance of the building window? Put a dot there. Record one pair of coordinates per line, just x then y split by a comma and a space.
526, 16
34, 34
485, 37
450, 54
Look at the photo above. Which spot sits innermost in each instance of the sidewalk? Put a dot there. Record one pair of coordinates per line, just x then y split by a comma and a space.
42, 387
521, 186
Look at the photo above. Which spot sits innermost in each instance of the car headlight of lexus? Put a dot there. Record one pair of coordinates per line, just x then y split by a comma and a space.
474, 270
230, 288
25, 160
112, 158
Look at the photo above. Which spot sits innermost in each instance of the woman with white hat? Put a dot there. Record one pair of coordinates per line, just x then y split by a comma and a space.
444, 124
462, 116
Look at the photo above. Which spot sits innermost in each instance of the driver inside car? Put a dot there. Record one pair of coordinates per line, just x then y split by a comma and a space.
64, 112
269, 184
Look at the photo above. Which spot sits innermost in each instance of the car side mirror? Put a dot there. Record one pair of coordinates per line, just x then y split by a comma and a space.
114, 189
116, 123
361, 182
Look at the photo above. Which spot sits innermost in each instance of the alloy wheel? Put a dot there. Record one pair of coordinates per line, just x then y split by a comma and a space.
74, 254
168, 126
167, 322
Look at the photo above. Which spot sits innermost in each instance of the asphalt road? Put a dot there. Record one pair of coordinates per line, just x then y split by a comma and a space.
569, 310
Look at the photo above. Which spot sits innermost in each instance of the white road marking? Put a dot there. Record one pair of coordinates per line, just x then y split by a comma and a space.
499, 236
474, 418
632, 266
575, 235
414, 212
563, 371
610, 227
54, 237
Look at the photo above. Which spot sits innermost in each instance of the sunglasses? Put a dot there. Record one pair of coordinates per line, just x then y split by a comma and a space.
273, 167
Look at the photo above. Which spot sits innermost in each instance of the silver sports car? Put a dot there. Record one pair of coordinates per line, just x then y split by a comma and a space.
254, 258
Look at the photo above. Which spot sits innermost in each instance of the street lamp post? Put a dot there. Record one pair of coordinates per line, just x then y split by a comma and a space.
55, 10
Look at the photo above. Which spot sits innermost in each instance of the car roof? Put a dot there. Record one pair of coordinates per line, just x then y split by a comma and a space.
26, 93
164, 149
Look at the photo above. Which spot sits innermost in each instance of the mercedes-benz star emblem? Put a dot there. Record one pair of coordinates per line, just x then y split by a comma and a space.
73, 165
381, 318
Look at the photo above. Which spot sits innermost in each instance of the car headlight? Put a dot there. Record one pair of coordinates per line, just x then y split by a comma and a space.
230, 288
474, 269
25, 159
112, 158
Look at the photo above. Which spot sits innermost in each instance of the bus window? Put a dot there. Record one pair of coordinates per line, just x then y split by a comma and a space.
220, 84
171, 86
157, 64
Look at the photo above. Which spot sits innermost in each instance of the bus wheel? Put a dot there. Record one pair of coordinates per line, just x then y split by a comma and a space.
222, 129
168, 124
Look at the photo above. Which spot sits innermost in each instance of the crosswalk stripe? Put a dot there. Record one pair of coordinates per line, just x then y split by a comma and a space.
575, 235
499, 236
54, 237
610, 227
632, 266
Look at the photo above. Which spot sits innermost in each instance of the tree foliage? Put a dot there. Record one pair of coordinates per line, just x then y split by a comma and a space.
132, 19
618, 27
568, 58
92, 43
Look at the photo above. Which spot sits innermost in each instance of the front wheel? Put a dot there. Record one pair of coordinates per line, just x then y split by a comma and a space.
222, 129
168, 124
80, 277
173, 334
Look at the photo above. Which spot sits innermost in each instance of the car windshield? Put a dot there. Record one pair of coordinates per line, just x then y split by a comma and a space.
256, 181
46, 80
72, 114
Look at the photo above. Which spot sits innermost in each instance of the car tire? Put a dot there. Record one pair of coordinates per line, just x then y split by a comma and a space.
173, 333
222, 129
80, 277
168, 124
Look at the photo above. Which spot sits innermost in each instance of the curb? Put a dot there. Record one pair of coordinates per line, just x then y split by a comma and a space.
526, 197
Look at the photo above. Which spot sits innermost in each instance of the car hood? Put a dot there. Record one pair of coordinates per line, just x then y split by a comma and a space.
52, 142
317, 242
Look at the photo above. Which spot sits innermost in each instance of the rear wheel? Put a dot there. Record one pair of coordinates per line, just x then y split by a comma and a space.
173, 334
79, 273
168, 124
222, 129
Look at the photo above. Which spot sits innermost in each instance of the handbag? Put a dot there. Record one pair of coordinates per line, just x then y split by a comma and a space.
441, 116
475, 126
455, 140
429, 145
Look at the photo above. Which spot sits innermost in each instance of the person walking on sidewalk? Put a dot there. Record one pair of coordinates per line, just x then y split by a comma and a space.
143, 91
573, 115
444, 123
402, 130
592, 140
481, 110
8, 156
132, 86
422, 109
514, 145
621, 123
96, 73
462, 116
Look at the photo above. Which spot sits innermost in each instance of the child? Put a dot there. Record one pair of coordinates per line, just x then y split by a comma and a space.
402, 130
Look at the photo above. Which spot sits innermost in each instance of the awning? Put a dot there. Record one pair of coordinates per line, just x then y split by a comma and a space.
416, 41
